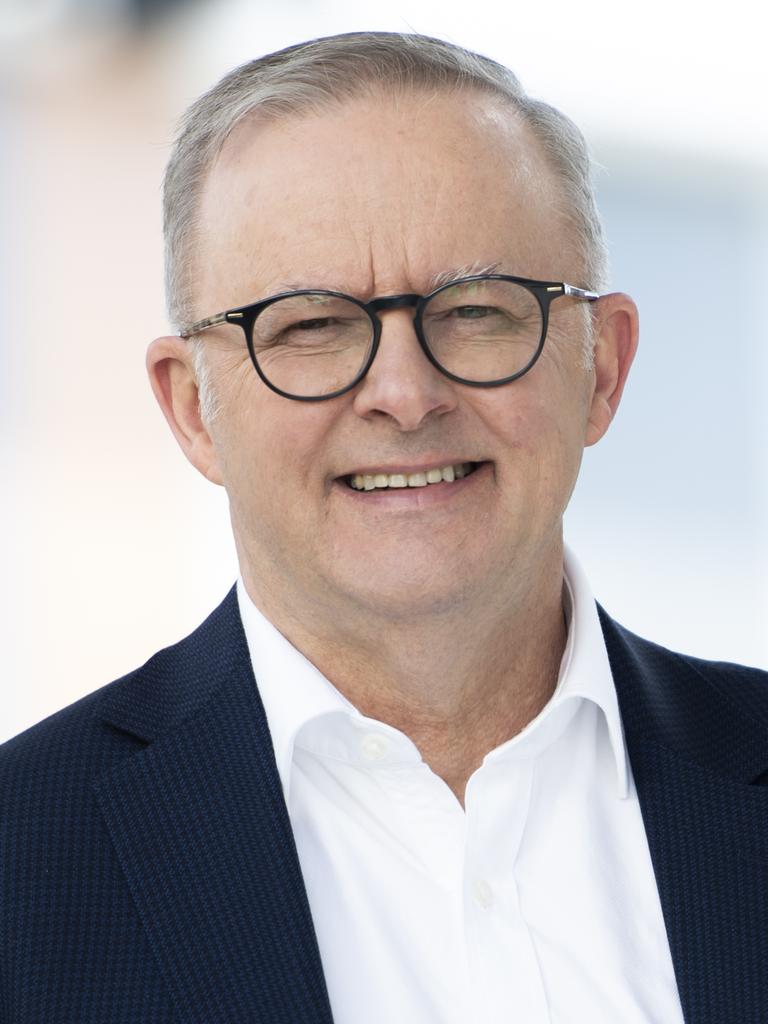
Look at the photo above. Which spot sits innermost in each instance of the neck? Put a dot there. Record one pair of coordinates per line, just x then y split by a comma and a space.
457, 685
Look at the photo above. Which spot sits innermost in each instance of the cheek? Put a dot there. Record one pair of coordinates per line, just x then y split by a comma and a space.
540, 430
523, 418
276, 450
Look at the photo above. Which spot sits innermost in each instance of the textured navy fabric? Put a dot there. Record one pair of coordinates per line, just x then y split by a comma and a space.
148, 871
697, 735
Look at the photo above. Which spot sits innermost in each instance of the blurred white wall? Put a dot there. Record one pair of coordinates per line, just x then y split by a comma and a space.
113, 546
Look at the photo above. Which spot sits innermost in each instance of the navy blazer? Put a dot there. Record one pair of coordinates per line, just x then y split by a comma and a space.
149, 872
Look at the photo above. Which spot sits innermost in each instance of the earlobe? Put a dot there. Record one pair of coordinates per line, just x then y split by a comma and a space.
171, 374
617, 330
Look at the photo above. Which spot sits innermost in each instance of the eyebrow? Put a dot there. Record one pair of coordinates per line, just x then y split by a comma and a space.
306, 286
439, 280
445, 277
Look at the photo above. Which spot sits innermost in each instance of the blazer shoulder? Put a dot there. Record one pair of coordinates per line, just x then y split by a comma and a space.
744, 686
60, 753
73, 745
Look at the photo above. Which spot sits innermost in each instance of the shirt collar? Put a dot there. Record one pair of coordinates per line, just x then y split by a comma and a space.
585, 670
295, 693
292, 690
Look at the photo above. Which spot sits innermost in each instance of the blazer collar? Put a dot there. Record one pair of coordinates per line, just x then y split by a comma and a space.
198, 820
710, 713
695, 752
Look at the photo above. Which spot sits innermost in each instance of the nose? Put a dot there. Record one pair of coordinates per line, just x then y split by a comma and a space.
402, 384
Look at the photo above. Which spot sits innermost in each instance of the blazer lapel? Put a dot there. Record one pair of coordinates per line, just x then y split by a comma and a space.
199, 823
695, 754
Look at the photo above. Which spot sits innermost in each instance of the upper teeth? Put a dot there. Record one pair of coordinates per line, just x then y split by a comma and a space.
370, 481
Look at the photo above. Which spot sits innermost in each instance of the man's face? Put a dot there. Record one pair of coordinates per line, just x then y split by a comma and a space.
377, 197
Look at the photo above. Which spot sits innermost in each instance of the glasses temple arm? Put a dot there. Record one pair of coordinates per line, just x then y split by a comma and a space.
201, 325
579, 293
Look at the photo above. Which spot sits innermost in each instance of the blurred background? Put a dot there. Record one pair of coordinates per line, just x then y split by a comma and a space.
113, 546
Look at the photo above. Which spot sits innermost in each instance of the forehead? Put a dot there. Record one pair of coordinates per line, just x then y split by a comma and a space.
377, 194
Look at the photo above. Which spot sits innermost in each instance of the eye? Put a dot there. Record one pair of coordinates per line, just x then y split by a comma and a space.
314, 331
473, 312
311, 325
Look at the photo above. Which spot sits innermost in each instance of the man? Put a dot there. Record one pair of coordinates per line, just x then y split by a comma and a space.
406, 771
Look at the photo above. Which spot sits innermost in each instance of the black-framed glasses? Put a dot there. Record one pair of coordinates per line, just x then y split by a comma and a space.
313, 344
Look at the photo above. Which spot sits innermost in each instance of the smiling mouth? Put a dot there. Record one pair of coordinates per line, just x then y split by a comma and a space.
393, 481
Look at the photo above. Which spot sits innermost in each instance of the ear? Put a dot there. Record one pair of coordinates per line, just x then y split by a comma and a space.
616, 332
170, 366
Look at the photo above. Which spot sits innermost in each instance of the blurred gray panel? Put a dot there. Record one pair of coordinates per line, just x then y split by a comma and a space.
671, 509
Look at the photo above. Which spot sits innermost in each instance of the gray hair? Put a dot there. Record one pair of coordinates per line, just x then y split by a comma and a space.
311, 76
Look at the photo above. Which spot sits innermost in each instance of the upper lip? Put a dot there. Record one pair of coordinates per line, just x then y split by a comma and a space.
405, 470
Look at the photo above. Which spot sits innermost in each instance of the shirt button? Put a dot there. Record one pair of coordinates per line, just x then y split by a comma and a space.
483, 893
374, 747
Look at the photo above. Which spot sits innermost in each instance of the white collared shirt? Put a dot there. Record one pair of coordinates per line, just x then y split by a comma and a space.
536, 903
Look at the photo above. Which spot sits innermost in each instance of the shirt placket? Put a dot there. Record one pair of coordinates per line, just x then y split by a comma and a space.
503, 964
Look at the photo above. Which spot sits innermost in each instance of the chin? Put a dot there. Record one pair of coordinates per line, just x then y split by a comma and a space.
405, 596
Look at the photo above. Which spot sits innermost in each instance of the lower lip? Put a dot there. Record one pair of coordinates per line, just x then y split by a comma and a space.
409, 498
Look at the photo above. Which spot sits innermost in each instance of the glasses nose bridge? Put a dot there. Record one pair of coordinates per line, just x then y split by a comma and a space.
386, 302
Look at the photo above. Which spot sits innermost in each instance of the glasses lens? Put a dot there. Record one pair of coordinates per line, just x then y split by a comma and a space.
312, 345
483, 330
